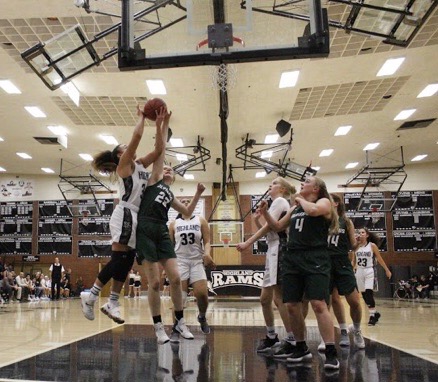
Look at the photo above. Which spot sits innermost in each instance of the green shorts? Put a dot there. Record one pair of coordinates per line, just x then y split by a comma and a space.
342, 275
306, 273
153, 242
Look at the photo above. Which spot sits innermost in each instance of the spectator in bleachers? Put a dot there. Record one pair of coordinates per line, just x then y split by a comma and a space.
39, 289
20, 281
79, 286
423, 287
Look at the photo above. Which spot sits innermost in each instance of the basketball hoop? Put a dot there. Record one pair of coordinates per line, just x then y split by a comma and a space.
226, 241
223, 77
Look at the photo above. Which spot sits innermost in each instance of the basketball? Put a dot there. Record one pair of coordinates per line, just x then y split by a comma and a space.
152, 107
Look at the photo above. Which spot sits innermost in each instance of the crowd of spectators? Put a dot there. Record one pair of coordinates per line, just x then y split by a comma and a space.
21, 287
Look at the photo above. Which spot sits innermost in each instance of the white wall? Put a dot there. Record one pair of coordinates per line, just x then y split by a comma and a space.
420, 177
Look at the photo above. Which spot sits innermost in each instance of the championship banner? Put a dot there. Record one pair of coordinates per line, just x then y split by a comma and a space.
16, 189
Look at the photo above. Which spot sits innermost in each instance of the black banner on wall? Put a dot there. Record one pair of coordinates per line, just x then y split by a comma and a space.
94, 226
413, 221
94, 248
53, 208
15, 245
55, 245
16, 209
16, 227
55, 227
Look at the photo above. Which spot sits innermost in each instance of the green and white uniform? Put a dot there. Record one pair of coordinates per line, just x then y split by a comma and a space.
153, 240
306, 263
342, 274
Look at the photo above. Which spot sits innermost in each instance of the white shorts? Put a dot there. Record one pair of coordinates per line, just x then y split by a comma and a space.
365, 278
192, 270
123, 226
271, 277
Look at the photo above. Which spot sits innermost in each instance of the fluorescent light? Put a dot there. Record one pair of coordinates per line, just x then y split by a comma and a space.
35, 111
86, 157
326, 153
176, 142
72, 92
109, 140
266, 154
316, 168
428, 91
2, 169
24, 155
1, 139
156, 86
189, 176
352, 165
390, 66
342, 130
370, 146
57, 130
419, 157
271, 138
261, 174
9, 87
404, 114
288, 79
182, 157
47, 170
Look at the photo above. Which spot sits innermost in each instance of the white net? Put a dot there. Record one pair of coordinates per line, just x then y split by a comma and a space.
223, 77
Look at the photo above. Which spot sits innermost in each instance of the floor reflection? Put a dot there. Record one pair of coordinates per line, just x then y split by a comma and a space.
130, 353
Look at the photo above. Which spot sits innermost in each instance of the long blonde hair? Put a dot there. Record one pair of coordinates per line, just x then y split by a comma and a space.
323, 193
289, 188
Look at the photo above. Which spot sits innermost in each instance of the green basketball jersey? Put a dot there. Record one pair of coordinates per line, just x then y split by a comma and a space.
339, 244
155, 202
307, 232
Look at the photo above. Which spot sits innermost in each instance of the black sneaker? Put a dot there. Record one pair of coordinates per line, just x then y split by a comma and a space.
300, 355
285, 350
204, 325
372, 321
377, 315
266, 344
331, 361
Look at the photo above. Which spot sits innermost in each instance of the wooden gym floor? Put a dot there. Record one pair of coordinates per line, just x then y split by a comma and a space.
52, 341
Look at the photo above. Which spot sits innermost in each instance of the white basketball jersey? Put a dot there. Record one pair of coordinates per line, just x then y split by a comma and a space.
365, 256
277, 210
131, 188
188, 238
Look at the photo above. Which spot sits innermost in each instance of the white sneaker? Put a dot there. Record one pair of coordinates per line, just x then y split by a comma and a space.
162, 337
358, 339
321, 346
344, 339
87, 306
182, 328
112, 310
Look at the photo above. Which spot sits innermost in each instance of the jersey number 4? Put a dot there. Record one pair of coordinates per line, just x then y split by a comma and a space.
187, 238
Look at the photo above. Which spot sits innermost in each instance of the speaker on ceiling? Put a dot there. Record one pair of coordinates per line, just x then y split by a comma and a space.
283, 127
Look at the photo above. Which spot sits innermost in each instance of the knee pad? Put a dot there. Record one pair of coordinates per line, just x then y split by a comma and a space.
368, 297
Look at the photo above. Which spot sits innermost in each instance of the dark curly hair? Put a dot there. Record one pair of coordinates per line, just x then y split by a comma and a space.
106, 161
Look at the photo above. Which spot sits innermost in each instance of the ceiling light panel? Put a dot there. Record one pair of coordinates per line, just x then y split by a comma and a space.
370, 146
428, 91
390, 66
86, 157
326, 153
288, 79
351, 165
419, 157
271, 138
342, 130
176, 142
9, 87
35, 111
156, 87
109, 140
260, 174
404, 114
2, 169
24, 155
189, 176
47, 170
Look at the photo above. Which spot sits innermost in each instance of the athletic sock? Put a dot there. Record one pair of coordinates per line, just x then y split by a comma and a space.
343, 326
94, 292
271, 332
114, 297
179, 314
356, 325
